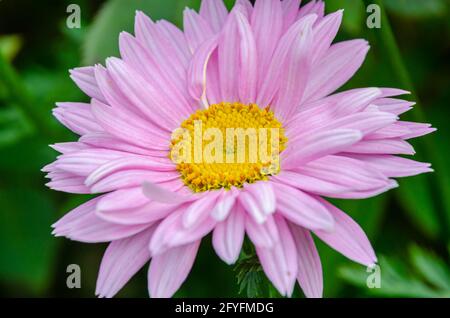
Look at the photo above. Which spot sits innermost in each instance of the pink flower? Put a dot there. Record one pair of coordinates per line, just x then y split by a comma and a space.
225, 69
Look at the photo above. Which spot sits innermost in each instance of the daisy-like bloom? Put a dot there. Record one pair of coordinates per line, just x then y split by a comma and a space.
268, 65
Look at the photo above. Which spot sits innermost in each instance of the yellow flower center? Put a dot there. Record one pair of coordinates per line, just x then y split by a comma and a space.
227, 145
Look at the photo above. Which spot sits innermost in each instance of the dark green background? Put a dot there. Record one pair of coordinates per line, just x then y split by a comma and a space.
408, 226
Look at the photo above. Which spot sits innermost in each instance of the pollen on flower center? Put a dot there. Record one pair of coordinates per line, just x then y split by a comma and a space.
226, 145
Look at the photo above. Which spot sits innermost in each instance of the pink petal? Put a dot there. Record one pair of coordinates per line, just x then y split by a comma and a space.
319, 145
309, 184
393, 105
393, 166
122, 260
215, 12
270, 82
382, 147
155, 39
265, 234
107, 141
365, 122
254, 208
229, 57
77, 117
196, 29
302, 209
160, 194
395, 130
264, 196
86, 161
267, 25
176, 37
353, 174
329, 189
67, 182
329, 109
348, 238
130, 178
198, 81
417, 129
225, 203
338, 65
280, 262
200, 209
312, 7
296, 71
84, 77
247, 7
143, 96
389, 92
82, 224
324, 33
136, 56
171, 232
130, 206
131, 163
391, 184
309, 266
130, 198
121, 104
290, 12
125, 128
248, 60
67, 147
228, 236
169, 270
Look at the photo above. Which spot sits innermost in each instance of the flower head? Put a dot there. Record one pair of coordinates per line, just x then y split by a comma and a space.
230, 127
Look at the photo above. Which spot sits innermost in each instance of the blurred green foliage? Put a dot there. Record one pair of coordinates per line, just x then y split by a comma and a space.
423, 275
410, 51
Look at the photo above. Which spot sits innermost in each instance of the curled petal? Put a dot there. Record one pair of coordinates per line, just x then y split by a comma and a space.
228, 236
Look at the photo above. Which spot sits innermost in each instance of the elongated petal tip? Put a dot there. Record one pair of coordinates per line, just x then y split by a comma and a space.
393, 184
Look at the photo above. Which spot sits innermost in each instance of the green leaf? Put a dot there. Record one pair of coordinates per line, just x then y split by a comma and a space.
417, 8
118, 15
28, 250
433, 269
250, 276
354, 14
